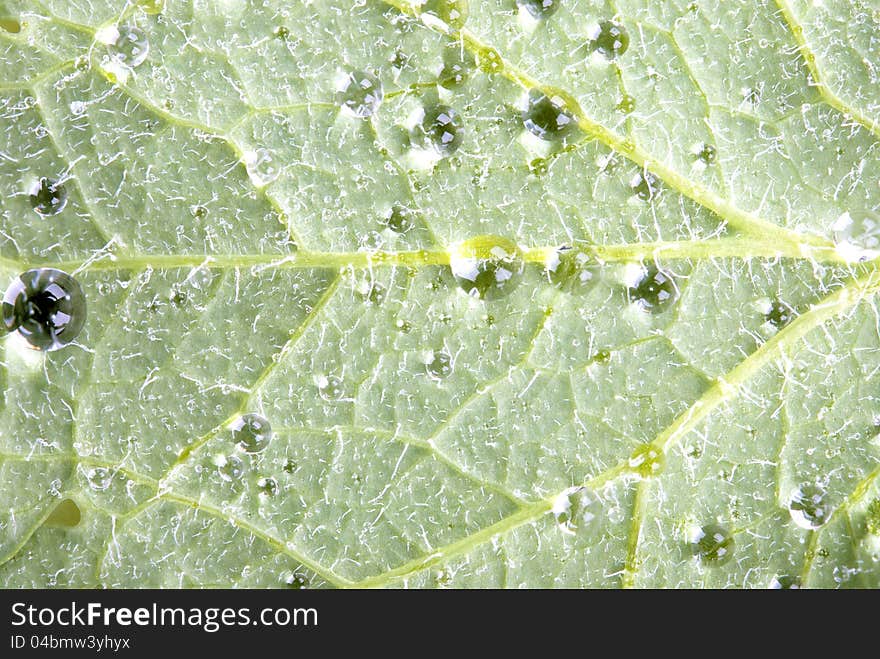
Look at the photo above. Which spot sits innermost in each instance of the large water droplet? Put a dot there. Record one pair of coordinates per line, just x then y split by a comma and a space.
230, 467
576, 508
99, 478
611, 39
858, 229
261, 167
252, 433
359, 94
808, 507
486, 267
571, 270
131, 46
655, 291
457, 65
647, 460
539, 9
439, 365
46, 306
48, 197
713, 545
440, 129
547, 118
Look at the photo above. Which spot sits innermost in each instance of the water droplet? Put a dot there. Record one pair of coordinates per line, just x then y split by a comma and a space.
486, 267
99, 478
400, 220
539, 9
439, 365
198, 211
546, 118
872, 517
330, 388
647, 460
602, 356
440, 129
489, 60
707, 154
451, 12
131, 46
655, 290
645, 186
713, 545
627, 104
779, 314
66, 514
370, 291
571, 270
858, 228
611, 39
261, 167
252, 433
289, 466
281, 32
808, 507
46, 306
576, 508
267, 486
230, 467
152, 6
785, 582
48, 197
295, 581
457, 65
359, 94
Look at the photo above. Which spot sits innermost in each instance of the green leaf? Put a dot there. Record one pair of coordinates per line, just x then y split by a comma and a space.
643, 351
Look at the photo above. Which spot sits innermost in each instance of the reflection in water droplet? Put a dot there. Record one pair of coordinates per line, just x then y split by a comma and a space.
267, 486
487, 267
451, 12
655, 291
440, 129
230, 467
539, 9
131, 46
708, 154
400, 220
785, 582
571, 270
576, 508
261, 167
46, 306
440, 365
99, 478
330, 388
295, 581
779, 314
627, 104
713, 545
48, 197
547, 118
647, 460
457, 65
645, 186
808, 507
611, 39
359, 94
252, 433
858, 229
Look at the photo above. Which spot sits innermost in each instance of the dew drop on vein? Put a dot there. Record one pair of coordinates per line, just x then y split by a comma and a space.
655, 291
487, 267
440, 129
48, 197
131, 46
45, 306
647, 460
712, 544
359, 94
546, 118
251, 433
575, 509
572, 270
808, 507
451, 12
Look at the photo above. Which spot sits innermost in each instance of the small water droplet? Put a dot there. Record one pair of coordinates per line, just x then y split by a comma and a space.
281, 32
647, 460
457, 65
539, 9
645, 186
572, 270
371, 291
655, 290
251, 432
267, 486
289, 466
546, 118
611, 39
779, 314
707, 154
65, 515
627, 104
99, 478
330, 388
131, 46
400, 220
46, 306
859, 229
152, 6
601, 357
261, 167
230, 467
486, 267
440, 129
872, 517
359, 94
785, 582
576, 508
808, 507
439, 365
713, 545
198, 211
451, 12
295, 581
48, 197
